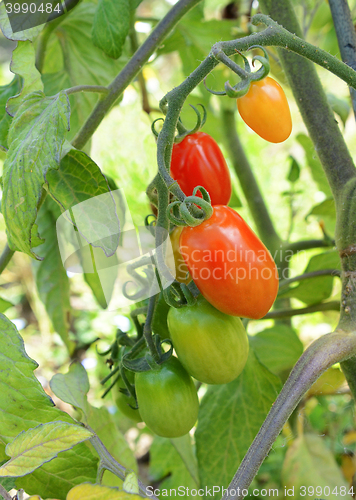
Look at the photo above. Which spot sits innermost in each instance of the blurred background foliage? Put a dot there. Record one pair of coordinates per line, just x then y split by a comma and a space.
297, 196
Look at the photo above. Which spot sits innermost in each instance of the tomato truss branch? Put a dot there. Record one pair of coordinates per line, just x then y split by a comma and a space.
321, 355
273, 35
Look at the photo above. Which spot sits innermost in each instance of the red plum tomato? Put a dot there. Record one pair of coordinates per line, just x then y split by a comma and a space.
198, 161
230, 265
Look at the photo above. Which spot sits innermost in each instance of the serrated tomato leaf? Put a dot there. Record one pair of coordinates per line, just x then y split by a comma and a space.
23, 405
51, 277
36, 446
35, 141
23, 64
111, 26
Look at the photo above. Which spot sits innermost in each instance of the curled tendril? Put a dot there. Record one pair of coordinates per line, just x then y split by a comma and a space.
183, 132
246, 75
153, 126
263, 71
151, 225
187, 209
174, 296
144, 281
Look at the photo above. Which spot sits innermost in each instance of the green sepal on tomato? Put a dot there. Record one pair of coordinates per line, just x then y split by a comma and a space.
198, 161
167, 399
159, 322
212, 346
230, 265
265, 109
126, 404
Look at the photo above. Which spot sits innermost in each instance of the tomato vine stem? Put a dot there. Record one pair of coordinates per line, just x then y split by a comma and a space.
320, 355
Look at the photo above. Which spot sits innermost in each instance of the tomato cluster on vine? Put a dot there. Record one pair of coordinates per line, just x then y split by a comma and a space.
224, 271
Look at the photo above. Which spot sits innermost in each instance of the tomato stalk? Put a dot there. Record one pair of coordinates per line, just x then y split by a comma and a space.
345, 32
320, 355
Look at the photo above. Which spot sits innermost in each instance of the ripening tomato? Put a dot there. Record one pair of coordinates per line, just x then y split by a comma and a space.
198, 161
167, 399
212, 346
230, 265
266, 110
182, 273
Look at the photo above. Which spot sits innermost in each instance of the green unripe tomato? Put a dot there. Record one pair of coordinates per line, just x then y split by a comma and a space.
212, 346
123, 402
167, 399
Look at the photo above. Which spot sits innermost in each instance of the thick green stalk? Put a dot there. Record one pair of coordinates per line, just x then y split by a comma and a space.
248, 182
322, 354
346, 36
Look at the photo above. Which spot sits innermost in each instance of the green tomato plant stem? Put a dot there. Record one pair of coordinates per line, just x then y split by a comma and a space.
319, 356
87, 88
312, 274
132, 68
297, 246
4, 493
332, 305
5, 257
346, 36
147, 329
108, 462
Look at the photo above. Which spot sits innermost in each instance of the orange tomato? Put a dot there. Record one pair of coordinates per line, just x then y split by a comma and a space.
265, 109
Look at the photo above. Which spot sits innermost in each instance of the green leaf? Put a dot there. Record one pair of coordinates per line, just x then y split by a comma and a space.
76, 61
168, 468
4, 305
314, 290
51, 277
103, 423
31, 155
314, 164
72, 387
294, 171
278, 348
111, 26
340, 106
326, 209
55, 478
230, 416
184, 447
5, 26
309, 462
131, 483
23, 405
6, 92
23, 64
34, 447
77, 186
